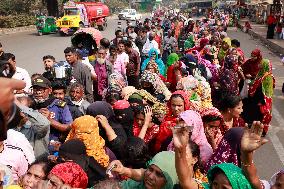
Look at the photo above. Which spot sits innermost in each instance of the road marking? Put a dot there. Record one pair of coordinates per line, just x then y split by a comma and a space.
273, 137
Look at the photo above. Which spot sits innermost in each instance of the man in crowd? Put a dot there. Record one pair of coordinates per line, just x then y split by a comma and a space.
133, 67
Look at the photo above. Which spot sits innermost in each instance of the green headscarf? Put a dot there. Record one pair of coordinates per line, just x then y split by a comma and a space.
166, 162
222, 53
268, 80
189, 43
234, 174
172, 58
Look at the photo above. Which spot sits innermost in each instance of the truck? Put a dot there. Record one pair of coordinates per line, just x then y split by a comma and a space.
125, 12
82, 14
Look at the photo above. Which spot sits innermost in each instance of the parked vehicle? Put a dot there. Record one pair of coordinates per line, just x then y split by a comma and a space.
124, 13
134, 16
83, 14
45, 25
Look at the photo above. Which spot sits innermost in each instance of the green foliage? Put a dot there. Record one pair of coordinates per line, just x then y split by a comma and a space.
8, 7
12, 21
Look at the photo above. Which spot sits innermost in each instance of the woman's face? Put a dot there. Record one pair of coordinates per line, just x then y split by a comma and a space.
154, 178
177, 106
54, 182
151, 68
225, 45
212, 125
140, 118
236, 111
279, 184
221, 182
33, 176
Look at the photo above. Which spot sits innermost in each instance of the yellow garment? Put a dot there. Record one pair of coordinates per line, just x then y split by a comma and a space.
92, 58
13, 187
86, 129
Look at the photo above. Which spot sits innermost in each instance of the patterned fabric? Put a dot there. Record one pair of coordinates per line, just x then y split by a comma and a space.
158, 61
150, 134
128, 91
121, 104
86, 129
234, 174
157, 83
71, 173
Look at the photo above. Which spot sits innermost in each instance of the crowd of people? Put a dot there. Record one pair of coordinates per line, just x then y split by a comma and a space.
168, 103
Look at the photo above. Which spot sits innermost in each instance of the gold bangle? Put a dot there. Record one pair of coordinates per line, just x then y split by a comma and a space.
247, 165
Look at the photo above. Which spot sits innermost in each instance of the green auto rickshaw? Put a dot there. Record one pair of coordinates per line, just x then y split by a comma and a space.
46, 25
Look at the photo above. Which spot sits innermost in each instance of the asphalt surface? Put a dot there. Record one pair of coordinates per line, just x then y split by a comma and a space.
30, 48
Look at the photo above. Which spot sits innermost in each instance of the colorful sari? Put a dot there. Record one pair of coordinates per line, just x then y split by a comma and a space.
264, 80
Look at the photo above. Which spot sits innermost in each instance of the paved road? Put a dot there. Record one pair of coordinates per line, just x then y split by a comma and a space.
30, 48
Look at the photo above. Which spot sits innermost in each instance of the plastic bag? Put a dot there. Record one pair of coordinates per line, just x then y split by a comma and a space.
244, 91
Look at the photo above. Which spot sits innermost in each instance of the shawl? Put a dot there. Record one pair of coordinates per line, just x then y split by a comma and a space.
86, 129
251, 66
166, 162
228, 150
158, 61
71, 173
101, 71
222, 53
234, 174
193, 119
189, 43
157, 83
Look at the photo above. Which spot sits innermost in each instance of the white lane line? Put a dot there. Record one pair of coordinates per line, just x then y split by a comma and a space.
273, 137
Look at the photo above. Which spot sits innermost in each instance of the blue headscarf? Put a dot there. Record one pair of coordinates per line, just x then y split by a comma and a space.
158, 61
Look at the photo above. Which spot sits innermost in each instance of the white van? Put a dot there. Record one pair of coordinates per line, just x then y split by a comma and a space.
124, 13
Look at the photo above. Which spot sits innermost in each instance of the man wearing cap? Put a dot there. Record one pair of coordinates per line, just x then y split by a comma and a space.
55, 110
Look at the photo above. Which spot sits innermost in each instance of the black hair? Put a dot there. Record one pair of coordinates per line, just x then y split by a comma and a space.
136, 153
112, 47
35, 75
59, 84
117, 32
48, 57
210, 118
236, 43
46, 166
121, 42
104, 42
107, 184
1, 45
228, 101
70, 50
8, 56
216, 171
140, 109
77, 85
176, 96
112, 96
128, 44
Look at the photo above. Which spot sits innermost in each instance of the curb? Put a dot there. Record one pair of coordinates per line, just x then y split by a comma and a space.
7, 31
272, 46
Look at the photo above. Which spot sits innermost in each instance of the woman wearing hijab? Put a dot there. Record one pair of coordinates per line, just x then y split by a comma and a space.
174, 71
258, 106
111, 131
251, 66
160, 173
152, 83
75, 150
226, 44
229, 78
153, 57
189, 43
70, 174
124, 115
86, 129
177, 104
153, 67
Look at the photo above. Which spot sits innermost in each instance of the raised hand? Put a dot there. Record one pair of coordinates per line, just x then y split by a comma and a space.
103, 120
116, 167
148, 114
251, 139
181, 137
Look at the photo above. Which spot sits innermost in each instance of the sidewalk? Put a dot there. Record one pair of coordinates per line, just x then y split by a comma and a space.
259, 31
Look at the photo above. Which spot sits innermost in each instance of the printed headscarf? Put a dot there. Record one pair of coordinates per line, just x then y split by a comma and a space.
251, 66
222, 53
157, 83
158, 61
166, 162
234, 174
267, 78
71, 173
86, 129
127, 92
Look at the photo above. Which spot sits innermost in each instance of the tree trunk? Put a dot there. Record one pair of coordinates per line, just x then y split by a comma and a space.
52, 7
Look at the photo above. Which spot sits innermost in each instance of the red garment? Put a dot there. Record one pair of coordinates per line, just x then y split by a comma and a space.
72, 174
237, 122
271, 20
251, 66
169, 121
150, 134
158, 39
171, 76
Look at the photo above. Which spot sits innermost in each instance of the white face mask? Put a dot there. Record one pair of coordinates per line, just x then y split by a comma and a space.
101, 60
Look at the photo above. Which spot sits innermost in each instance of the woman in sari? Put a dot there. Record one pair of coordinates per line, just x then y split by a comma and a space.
226, 44
258, 105
178, 103
251, 66
154, 58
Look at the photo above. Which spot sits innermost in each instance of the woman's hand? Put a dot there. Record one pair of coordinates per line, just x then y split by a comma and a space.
103, 120
148, 115
181, 137
251, 139
116, 167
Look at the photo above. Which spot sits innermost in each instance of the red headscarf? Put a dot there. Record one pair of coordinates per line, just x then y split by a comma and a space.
170, 121
72, 174
251, 66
